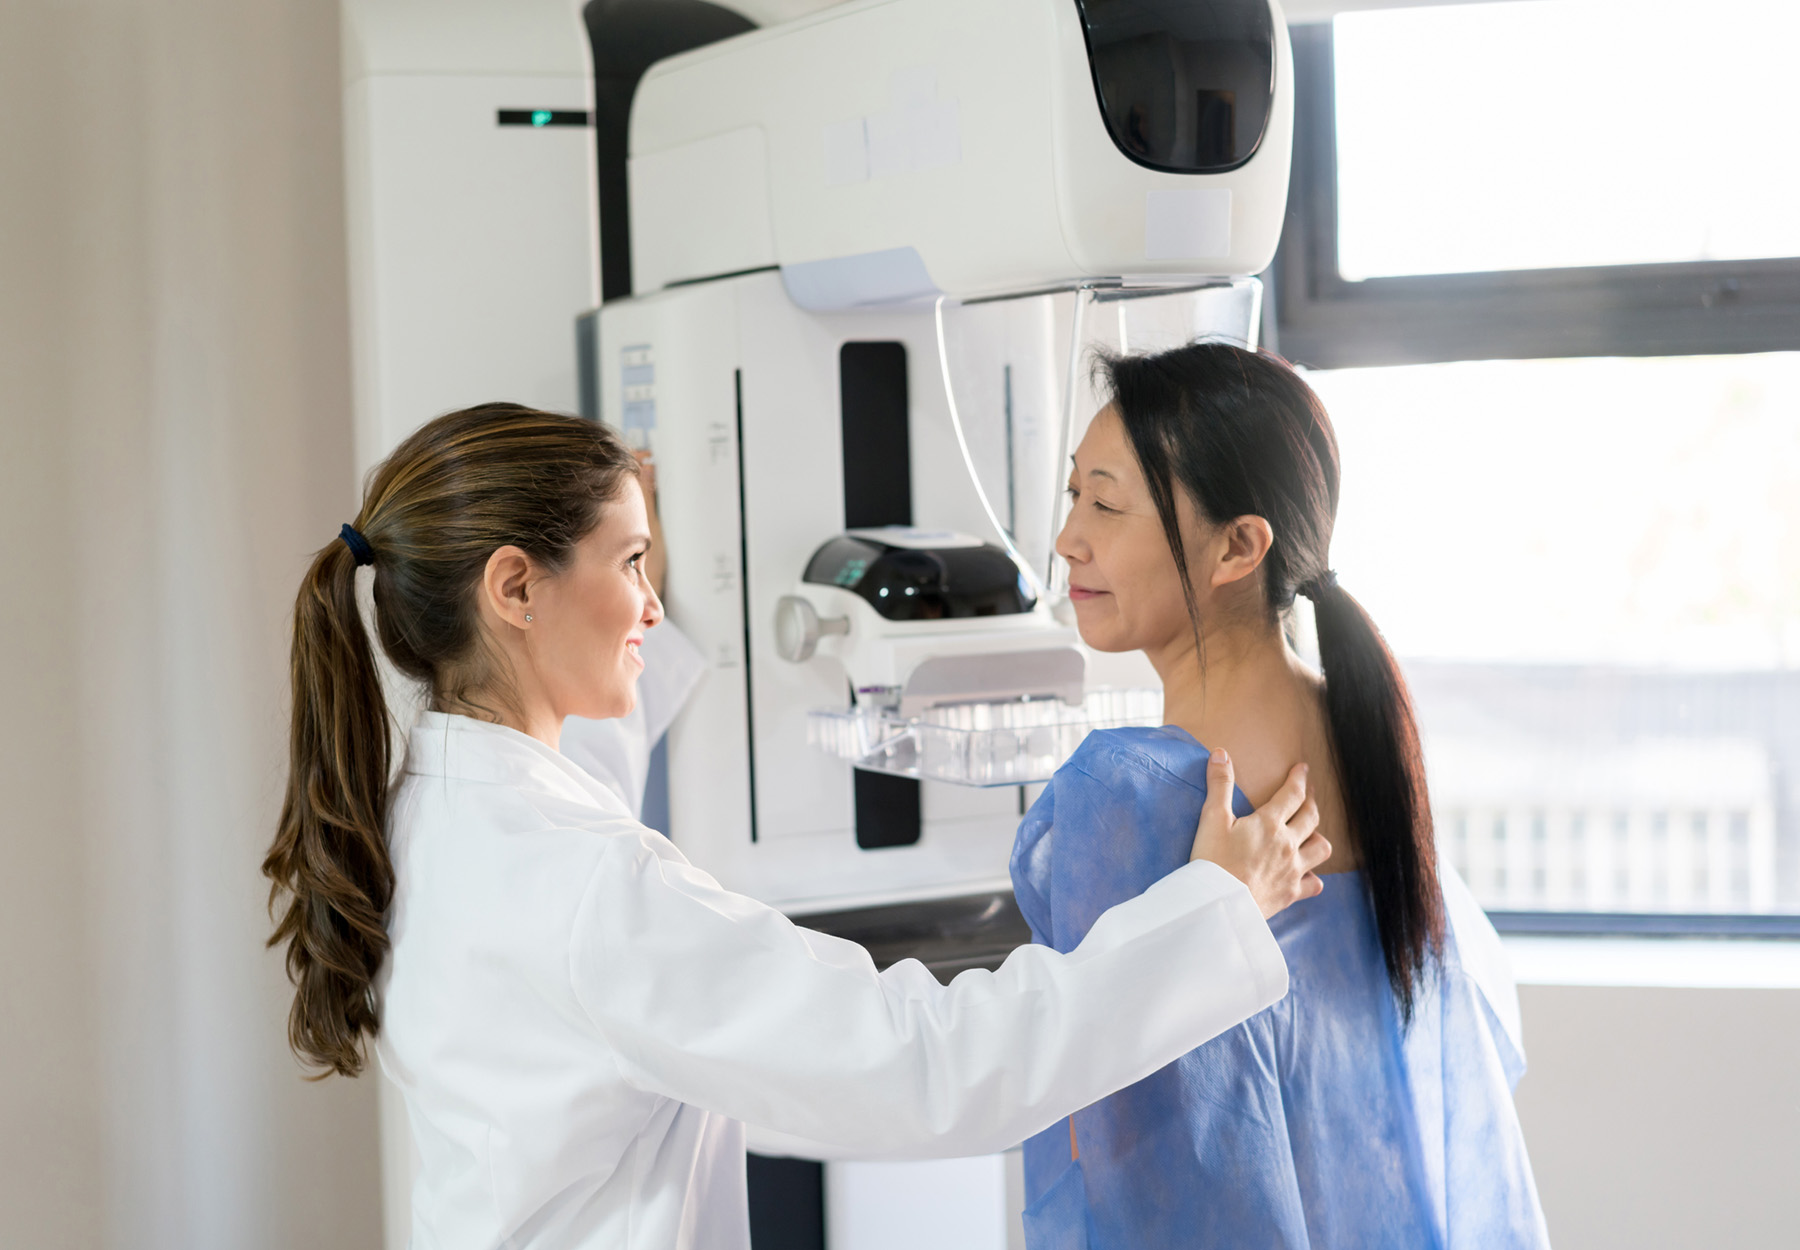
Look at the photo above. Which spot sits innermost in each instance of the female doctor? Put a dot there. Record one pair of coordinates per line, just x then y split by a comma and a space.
580, 1021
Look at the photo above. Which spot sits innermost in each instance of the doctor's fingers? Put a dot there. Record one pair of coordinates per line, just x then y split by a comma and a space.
1303, 822
1285, 802
1313, 852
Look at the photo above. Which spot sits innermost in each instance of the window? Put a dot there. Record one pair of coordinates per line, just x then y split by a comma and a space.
1587, 446
1436, 214
1547, 135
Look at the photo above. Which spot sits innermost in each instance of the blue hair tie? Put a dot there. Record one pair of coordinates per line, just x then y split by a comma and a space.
1320, 586
360, 551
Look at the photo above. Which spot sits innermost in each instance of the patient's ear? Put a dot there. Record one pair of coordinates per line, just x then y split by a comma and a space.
1247, 540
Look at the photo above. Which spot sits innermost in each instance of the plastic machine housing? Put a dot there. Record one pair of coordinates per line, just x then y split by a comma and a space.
893, 148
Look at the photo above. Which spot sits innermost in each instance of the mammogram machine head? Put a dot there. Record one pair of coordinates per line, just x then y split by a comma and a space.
872, 253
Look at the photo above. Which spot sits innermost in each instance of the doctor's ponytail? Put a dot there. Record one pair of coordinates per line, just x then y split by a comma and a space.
331, 852
1244, 435
458, 489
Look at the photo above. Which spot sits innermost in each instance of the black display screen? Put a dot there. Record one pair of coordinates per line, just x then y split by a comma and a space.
1184, 85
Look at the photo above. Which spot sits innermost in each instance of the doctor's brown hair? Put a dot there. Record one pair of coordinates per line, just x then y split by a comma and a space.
1243, 435
463, 486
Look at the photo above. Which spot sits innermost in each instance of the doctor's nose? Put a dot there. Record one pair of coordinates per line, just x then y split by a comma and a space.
653, 608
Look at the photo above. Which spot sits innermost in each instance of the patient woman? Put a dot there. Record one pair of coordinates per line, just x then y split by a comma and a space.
1373, 1106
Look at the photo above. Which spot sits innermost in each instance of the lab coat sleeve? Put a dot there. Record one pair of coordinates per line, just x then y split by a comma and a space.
721, 1002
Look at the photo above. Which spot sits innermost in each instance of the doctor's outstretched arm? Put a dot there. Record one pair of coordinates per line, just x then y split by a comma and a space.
795, 1031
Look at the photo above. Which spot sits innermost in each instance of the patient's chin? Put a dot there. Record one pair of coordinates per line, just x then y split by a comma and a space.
1102, 638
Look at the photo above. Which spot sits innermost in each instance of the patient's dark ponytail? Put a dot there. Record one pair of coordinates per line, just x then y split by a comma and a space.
1382, 772
1245, 436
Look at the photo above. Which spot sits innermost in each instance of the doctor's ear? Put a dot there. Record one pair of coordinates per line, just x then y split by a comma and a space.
1246, 542
506, 586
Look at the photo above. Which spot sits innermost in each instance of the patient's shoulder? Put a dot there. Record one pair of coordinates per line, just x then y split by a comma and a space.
1131, 757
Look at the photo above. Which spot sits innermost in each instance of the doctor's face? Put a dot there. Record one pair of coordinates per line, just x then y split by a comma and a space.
593, 614
1122, 579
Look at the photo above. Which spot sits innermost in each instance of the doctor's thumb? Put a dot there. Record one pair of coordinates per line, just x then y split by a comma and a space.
1218, 769
1215, 813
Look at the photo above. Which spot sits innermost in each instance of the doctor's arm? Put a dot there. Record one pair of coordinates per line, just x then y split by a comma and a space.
721, 1002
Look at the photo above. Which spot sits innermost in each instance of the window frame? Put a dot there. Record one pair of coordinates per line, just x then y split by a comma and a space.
1323, 321
1316, 318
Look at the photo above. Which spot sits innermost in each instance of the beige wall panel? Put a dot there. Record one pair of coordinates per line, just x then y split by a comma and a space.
1663, 1117
175, 440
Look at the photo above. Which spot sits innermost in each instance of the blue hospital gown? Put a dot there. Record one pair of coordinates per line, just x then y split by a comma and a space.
1317, 1123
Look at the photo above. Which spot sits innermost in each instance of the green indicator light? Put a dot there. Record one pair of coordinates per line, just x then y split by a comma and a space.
540, 117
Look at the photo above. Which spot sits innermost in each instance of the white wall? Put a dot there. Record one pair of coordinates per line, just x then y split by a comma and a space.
1664, 1117
175, 439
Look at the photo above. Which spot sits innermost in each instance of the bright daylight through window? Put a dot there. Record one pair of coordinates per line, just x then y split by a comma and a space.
1589, 565
1591, 570
1560, 133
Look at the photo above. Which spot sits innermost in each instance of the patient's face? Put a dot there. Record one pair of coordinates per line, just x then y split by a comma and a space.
1122, 578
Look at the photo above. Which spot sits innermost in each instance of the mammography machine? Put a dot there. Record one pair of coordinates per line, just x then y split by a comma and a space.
871, 254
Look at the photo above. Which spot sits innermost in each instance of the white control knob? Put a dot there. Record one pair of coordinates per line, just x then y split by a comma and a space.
798, 628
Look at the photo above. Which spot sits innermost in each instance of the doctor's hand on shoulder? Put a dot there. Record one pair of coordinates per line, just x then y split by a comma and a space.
1274, 849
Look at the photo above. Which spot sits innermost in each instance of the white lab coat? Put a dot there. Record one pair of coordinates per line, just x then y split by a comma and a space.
580, 1021
617, 751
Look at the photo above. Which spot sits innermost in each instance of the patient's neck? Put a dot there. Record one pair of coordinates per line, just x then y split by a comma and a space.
1250, 694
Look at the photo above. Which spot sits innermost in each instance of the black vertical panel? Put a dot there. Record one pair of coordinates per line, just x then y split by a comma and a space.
877, 449
878, 491
627, 38
787, 1203
887, 810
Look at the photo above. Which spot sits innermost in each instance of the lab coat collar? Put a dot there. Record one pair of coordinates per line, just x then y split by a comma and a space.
461, 748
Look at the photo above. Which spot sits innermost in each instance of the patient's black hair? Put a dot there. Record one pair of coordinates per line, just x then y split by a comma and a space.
1244, 435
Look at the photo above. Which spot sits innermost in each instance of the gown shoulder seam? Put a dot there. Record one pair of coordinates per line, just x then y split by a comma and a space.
1132, 755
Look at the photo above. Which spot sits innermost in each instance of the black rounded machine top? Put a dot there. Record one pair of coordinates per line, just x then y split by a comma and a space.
910, 574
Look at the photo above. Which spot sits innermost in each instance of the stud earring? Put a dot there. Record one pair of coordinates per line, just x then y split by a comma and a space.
528, 618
